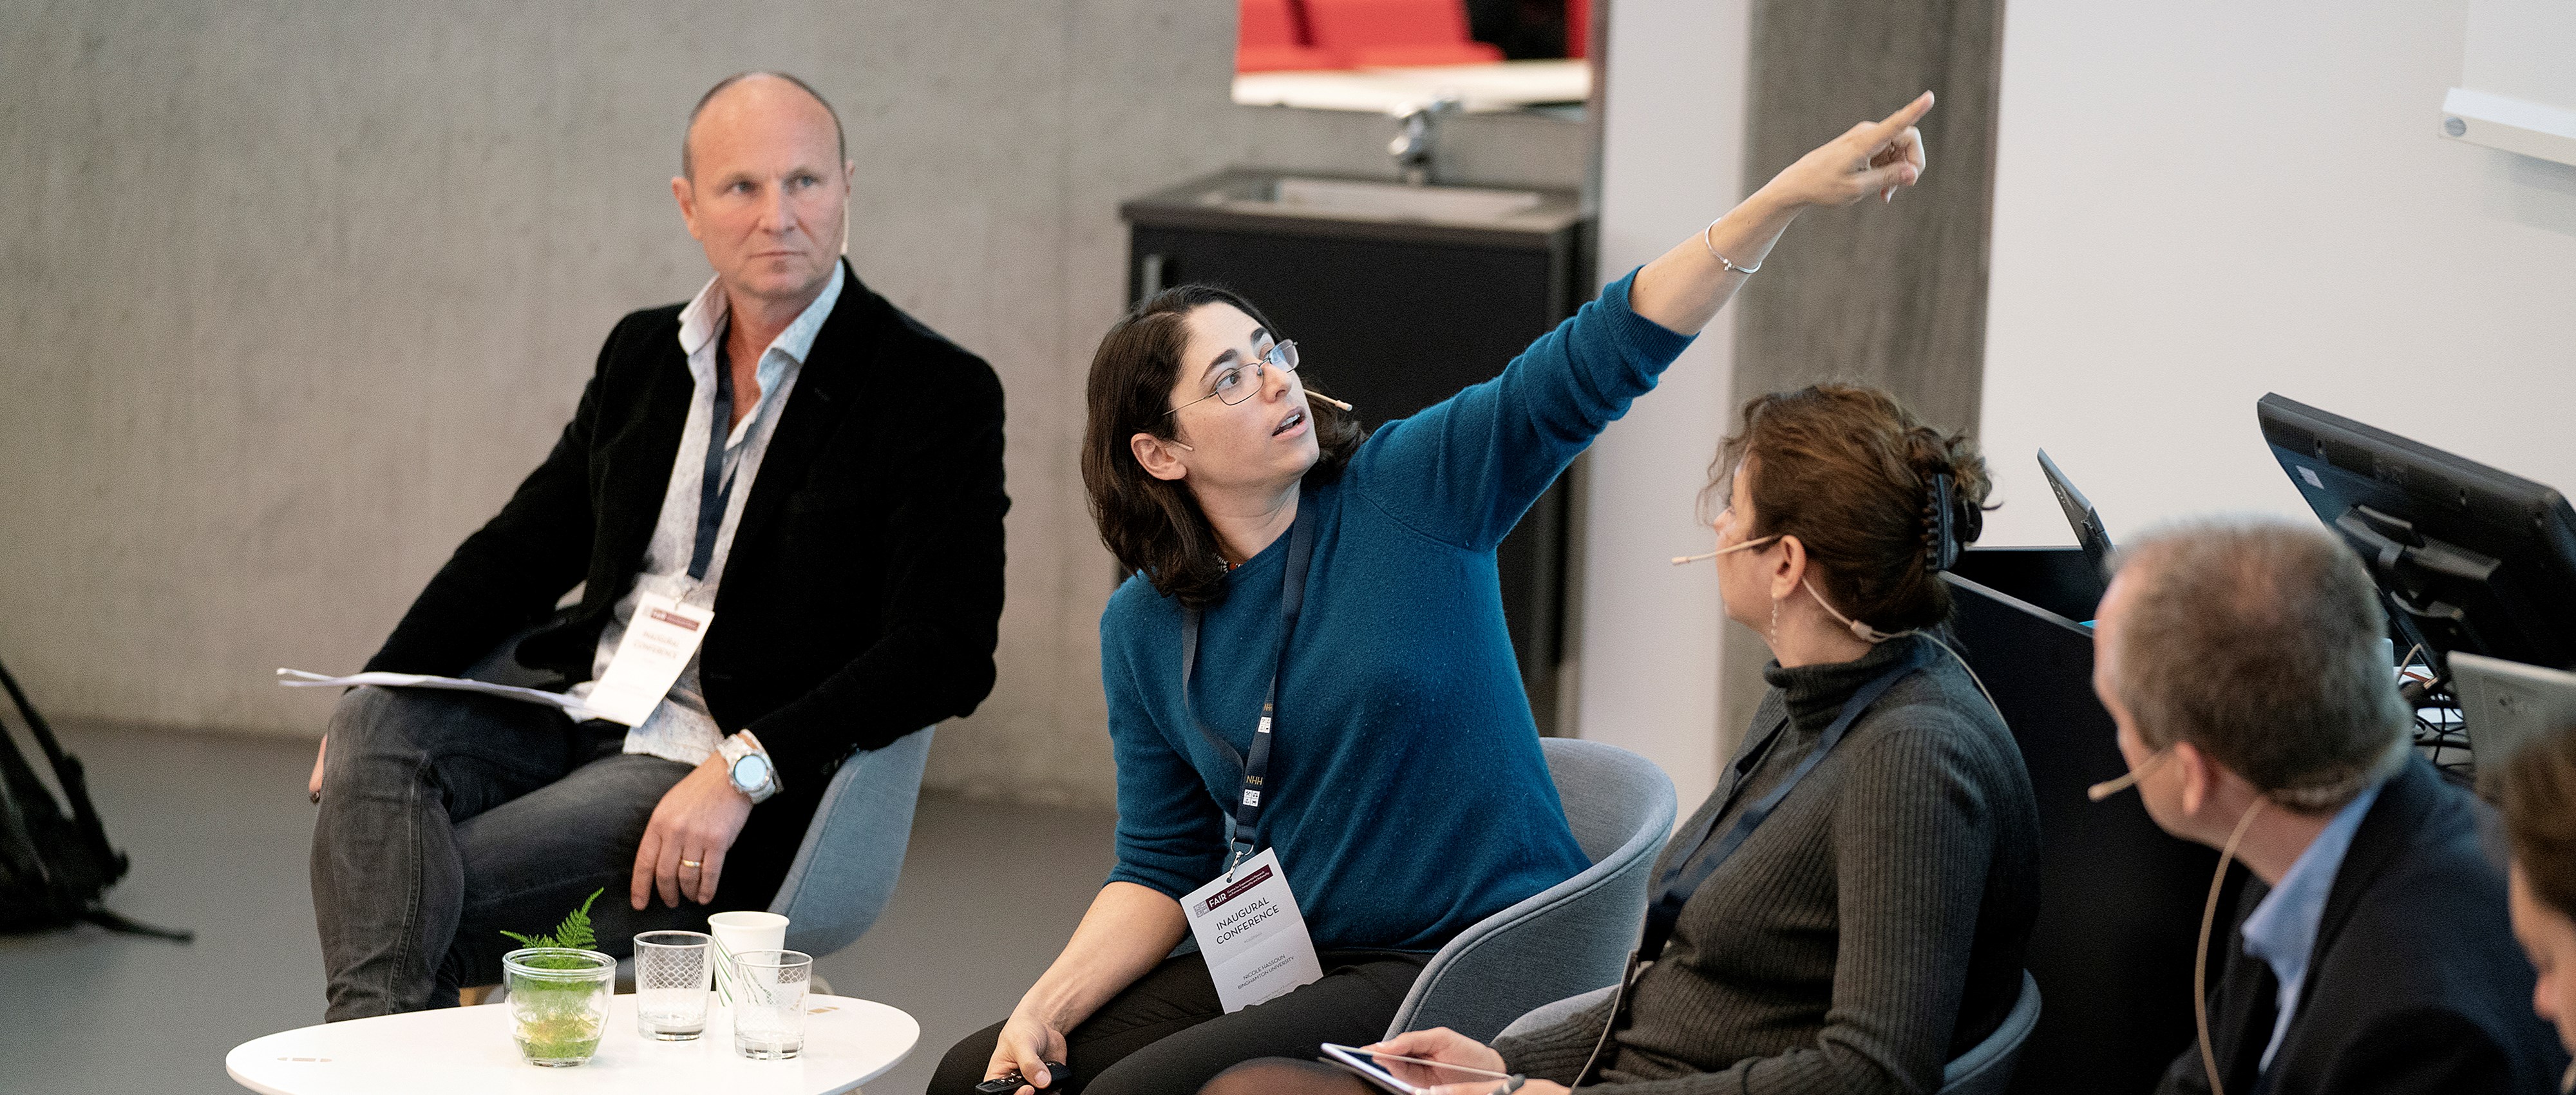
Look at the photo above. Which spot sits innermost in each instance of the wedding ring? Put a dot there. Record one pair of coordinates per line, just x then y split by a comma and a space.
691, 864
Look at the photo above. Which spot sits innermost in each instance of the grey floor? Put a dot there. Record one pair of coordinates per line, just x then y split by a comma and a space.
218, 826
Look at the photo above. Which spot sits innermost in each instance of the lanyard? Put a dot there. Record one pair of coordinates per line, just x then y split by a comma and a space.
715, 492
1686, 874
1256, 766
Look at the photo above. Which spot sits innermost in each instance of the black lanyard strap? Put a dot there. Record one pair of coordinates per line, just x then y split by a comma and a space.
1256, 767
1686, 874
715, 492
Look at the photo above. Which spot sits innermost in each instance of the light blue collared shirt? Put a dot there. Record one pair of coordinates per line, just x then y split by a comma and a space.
2282, 931
680, 728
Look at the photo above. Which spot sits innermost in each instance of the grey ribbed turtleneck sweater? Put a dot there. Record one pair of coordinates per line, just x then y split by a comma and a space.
1869, 931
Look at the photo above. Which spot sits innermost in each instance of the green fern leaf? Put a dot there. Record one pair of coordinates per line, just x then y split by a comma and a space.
575, 930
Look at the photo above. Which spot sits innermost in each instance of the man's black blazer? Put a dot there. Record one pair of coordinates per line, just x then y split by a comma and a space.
2416, 983
863, 592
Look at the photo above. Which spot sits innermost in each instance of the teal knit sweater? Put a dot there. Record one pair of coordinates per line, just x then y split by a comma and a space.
1407, 796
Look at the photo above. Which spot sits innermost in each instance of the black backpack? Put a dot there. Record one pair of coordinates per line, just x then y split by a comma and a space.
54, 870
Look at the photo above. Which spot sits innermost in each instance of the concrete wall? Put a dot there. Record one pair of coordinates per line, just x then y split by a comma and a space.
1705, 103
1672, 153
291, 296
1895, 296
2197, 203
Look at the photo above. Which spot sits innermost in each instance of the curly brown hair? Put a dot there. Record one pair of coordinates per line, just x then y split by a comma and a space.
1848, 470
1155, 525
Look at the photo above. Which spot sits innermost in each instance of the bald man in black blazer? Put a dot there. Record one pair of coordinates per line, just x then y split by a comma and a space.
788, 452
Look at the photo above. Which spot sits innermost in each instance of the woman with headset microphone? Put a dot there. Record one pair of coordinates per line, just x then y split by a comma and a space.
1326, 763
1848, 911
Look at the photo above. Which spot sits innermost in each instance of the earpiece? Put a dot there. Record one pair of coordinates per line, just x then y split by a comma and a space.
1328, 399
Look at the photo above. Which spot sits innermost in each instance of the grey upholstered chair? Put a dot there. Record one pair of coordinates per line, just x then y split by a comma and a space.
853, 850
1574, 935
1985, 1069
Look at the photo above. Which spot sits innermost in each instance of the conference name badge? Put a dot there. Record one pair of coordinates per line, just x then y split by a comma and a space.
659, 642
1251, 933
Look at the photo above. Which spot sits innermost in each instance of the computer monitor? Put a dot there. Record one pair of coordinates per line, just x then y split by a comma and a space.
2089, 533
2468, 558
2506, 705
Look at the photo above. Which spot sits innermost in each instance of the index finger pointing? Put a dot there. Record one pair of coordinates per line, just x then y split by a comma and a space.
1904, 117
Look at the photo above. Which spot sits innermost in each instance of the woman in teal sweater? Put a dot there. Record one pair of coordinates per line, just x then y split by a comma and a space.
1340, 593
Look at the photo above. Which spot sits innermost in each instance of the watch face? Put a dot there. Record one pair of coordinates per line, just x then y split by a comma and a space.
751, 773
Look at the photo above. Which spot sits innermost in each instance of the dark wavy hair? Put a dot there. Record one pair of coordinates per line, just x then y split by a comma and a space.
1154, 525
1848, 470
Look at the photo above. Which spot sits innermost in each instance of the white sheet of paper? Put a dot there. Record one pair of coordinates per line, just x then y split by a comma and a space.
297, 678
1253, 936
659, 642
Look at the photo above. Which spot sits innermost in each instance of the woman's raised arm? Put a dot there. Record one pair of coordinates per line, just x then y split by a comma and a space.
1684, 289
1464, 470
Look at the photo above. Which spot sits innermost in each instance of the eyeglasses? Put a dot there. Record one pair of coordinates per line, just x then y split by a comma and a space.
1238, 382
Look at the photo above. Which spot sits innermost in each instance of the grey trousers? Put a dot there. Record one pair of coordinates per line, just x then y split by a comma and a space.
447, 817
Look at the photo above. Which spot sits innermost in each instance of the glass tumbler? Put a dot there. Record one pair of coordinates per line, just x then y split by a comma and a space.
558, 1002
769, 1003
672, 973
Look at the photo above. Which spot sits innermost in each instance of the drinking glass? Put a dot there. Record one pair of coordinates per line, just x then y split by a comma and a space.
558, 1002
672, 970
769, 1003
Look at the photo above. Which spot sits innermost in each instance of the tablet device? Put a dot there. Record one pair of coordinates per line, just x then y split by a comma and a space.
2080, 514
1402, 1075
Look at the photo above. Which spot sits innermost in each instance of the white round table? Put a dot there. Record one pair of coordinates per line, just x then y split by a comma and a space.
847, 1043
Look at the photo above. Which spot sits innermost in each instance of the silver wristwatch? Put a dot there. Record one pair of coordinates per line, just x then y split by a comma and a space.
749, 764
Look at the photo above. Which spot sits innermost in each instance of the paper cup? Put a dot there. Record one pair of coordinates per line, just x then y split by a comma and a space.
749, 931
743, 932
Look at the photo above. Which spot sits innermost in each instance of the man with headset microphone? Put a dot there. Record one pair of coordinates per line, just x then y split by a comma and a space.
2242, 665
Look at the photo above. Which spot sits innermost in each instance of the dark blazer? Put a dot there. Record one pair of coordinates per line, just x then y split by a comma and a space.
2416, 983
863, 593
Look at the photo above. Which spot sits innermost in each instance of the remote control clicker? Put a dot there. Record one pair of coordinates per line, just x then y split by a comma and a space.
1057, 1075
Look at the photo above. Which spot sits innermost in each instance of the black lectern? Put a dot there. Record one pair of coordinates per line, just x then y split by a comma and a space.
2120, 901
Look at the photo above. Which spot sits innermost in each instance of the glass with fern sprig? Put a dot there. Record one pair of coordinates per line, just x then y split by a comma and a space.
558, 988
558, 1002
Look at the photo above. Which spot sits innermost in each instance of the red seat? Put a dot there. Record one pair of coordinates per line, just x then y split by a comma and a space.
1269, 39
1397, 32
